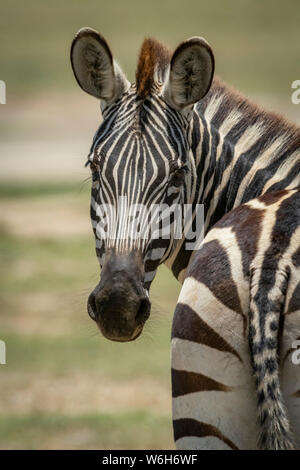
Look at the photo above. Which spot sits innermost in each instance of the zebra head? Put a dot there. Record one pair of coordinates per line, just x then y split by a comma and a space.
141, 165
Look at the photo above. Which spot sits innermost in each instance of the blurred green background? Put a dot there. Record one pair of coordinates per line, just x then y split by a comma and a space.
65, 386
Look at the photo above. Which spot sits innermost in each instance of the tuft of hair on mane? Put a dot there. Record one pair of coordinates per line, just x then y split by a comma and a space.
154, 57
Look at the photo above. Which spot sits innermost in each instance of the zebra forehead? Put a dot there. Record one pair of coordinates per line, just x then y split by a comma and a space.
153, 62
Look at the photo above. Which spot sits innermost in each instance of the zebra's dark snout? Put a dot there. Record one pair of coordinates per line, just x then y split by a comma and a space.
119, 304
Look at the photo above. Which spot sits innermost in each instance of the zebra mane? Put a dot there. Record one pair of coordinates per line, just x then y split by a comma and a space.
223, 101
153, 61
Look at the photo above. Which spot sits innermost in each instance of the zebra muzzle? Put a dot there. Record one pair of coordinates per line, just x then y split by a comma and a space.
119, 304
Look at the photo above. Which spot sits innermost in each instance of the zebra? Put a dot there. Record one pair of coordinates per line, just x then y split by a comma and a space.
238, 316
178, 135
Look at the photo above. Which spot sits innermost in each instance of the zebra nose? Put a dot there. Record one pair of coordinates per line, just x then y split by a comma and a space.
119, 311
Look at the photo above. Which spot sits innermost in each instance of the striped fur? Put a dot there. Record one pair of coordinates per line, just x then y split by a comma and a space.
136, 154
240, 295
229, 163
240, 152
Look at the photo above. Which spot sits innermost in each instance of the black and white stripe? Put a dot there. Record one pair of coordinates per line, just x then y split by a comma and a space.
233, 379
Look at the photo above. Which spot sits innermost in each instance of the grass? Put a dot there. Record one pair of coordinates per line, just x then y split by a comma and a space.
12, 190
33, 264
70, 353
105, 431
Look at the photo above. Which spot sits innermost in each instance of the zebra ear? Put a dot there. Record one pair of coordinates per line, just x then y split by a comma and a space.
190, 74
94, 67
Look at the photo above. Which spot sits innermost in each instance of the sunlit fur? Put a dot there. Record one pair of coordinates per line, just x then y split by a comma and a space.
237, 317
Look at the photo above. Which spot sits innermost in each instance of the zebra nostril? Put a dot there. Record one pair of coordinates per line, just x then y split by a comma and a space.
91, 306
143, 311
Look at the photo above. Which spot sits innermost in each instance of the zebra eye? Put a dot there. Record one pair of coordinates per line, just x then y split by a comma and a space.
92, 166
177, 177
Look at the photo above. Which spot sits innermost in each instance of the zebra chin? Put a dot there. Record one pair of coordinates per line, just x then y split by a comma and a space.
119, 304
116, 335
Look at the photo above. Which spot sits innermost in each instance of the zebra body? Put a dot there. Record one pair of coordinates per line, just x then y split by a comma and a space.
237, 317
177, 136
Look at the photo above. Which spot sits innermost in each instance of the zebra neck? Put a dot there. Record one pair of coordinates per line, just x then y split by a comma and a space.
215, 189
240, 152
